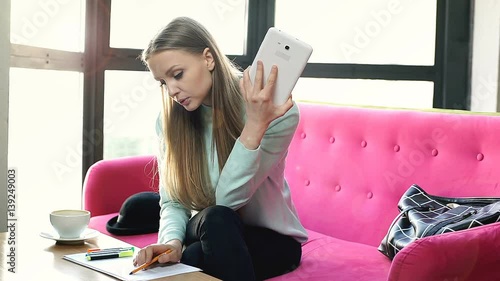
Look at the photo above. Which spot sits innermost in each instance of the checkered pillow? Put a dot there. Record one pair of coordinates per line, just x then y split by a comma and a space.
424, 215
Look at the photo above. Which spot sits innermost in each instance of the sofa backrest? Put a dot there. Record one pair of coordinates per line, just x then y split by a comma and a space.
347, 167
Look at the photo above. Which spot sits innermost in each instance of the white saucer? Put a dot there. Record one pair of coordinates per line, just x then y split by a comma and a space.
87, 234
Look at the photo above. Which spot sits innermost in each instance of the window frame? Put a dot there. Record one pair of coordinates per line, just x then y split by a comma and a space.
451, 72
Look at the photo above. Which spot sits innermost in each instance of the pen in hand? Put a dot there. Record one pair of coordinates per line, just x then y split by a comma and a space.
168, 251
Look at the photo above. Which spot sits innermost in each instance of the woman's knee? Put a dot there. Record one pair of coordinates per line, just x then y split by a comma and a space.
220, 216
193, 254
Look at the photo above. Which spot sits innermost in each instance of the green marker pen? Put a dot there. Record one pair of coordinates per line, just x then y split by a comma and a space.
101, 256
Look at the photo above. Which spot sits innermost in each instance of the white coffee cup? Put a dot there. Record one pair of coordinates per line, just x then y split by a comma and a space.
70, 224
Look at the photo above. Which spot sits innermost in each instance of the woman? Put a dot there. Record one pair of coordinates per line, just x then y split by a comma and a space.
224, 147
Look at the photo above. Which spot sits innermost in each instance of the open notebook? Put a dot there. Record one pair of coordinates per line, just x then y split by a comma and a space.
121, 267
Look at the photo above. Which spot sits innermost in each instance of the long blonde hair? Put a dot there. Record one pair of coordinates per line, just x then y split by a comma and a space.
185, 170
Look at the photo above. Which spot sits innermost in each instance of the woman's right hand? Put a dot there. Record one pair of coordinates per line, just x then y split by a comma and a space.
147, 253
260, 108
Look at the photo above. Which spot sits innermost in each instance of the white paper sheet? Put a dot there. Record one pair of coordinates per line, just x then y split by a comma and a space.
121, 267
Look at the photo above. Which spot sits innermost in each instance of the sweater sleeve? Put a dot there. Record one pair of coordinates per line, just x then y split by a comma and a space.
173, 216
245, 170
173, 219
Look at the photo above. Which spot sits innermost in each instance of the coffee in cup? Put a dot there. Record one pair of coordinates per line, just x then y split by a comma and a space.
70, 224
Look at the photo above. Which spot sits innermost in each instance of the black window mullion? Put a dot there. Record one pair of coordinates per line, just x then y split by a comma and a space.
369, 71
97, 20
452, 88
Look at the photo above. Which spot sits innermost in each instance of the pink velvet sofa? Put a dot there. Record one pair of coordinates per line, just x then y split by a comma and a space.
347, 168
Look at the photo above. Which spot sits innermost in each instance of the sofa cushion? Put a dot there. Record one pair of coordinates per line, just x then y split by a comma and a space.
140, 240
326, 258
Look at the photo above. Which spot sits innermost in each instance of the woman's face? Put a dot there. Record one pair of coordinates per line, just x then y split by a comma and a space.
187, 77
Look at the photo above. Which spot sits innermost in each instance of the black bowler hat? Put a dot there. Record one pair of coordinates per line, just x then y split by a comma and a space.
139, 214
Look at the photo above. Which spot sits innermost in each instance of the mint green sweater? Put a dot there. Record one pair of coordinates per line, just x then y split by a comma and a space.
252, 181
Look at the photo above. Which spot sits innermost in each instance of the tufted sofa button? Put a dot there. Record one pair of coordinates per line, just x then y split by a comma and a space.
307, 182
332, 139
303, 135
480, 157
363, 143
434, 152
396, 148
338, 188
369, 195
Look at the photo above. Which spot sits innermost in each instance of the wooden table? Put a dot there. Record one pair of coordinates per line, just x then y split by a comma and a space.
39, 258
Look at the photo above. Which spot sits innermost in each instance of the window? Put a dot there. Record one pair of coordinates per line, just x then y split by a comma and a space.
225, 19
404, 94
366, 36
132, 102
53, 24
368, 32
45, 138
132, 99
361, 40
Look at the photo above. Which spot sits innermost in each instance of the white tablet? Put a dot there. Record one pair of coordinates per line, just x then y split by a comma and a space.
289, 54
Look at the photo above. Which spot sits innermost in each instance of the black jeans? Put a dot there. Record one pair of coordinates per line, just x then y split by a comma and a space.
222, 246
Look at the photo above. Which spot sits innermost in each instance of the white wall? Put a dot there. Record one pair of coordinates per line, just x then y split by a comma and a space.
4, 106
485, 56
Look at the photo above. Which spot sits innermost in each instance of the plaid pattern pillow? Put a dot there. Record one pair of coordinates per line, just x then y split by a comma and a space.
424, 215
